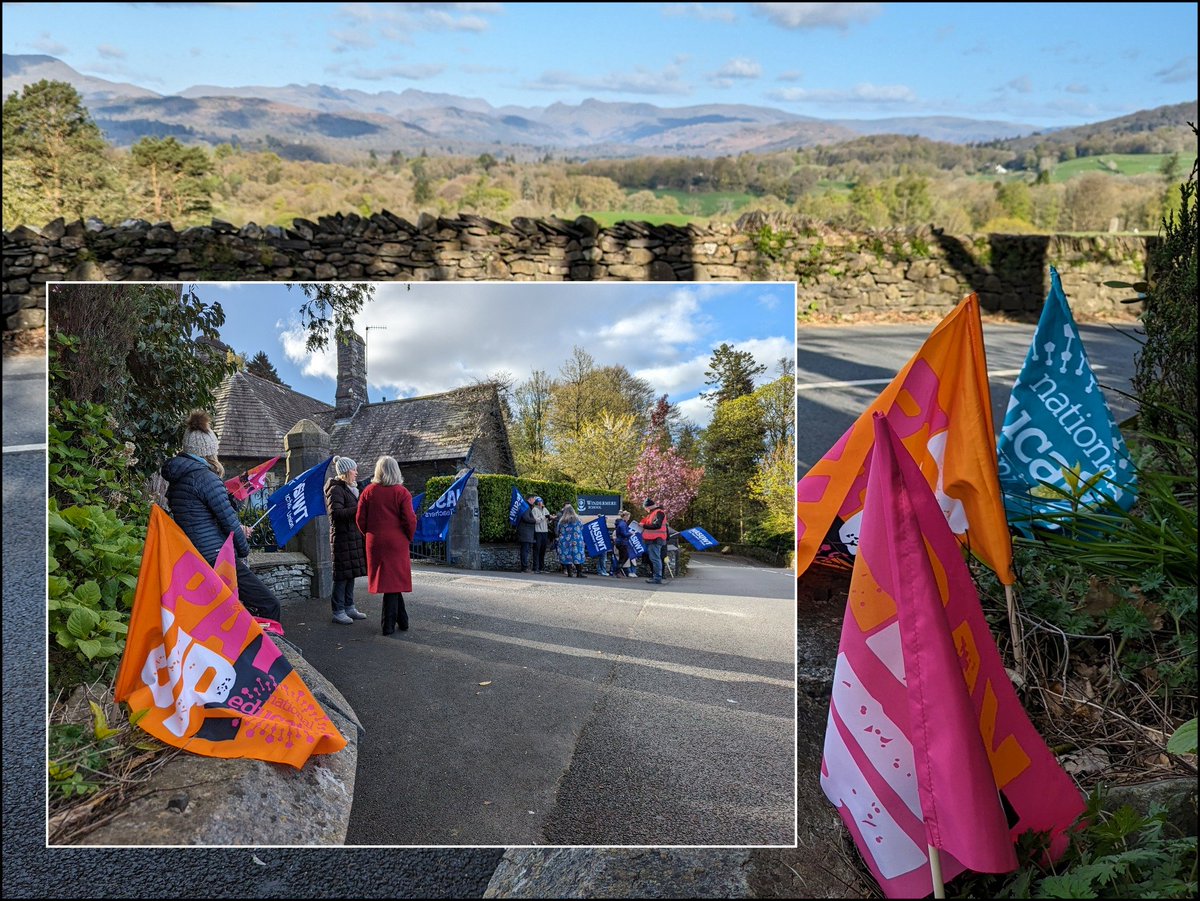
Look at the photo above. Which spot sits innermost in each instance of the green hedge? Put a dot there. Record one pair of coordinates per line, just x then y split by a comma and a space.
495, 492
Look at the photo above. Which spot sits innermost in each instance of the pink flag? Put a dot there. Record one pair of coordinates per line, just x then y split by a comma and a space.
927, 739
254, 480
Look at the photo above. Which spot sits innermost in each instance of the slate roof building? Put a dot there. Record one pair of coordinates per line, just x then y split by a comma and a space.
437, 434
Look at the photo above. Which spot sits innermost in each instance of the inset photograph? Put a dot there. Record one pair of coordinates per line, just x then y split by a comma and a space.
429, 564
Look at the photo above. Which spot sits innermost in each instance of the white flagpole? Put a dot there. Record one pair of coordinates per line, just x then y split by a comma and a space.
261, 518
935, 869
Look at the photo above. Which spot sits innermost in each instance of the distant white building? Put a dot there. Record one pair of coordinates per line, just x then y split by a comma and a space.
1000, 170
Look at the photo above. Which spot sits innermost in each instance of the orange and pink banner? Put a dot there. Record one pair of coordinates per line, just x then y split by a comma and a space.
252, 480
940, 407
927, 743
207, 676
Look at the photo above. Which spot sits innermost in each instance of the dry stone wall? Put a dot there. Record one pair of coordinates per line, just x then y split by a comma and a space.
836, 272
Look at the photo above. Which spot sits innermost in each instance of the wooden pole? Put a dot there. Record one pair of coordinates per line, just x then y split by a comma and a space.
935, 869
1014, 627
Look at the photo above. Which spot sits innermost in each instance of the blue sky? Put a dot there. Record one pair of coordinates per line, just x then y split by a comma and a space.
1044, 64
438, 336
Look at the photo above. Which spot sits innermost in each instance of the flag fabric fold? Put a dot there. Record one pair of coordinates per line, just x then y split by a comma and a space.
927, 743
940, 407
517, 505
636, 548
596, 540
699, 539
294, 503
1058, 422
417, 500
207, 676
252, 481
434, 524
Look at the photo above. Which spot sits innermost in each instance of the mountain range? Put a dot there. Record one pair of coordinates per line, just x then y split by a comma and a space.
322, 122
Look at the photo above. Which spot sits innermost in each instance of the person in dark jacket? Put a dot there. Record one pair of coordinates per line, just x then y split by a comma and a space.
349, 546
201, 507
385, 516
526, 532
621, 539
654, 537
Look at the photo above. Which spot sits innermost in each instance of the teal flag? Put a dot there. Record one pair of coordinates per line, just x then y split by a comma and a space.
1059, 437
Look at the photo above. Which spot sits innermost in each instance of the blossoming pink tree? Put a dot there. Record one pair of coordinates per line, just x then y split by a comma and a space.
665, 476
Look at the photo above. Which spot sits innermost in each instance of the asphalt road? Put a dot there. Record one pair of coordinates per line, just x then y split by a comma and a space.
841, 369
531, 710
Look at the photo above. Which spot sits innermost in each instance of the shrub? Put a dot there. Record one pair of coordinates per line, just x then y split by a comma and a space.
495, 492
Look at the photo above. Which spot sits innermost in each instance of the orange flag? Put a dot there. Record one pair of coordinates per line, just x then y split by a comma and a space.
196, 661
940, 407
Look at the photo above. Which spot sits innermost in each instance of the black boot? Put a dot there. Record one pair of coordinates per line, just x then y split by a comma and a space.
401, 614
389, 614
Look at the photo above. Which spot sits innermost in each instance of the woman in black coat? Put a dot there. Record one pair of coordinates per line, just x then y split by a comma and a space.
349, 546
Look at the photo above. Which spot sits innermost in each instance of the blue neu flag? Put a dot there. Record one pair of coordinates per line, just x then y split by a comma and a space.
636, 548
434, 525
1059, 437
417, 501
293, 504
517, 506
699, 539
595, 537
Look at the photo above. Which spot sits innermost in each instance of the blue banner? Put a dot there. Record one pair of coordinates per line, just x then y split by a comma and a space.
636, 548
595, 537
1058, 432
293, 504
434, 525
517, 505
699, 539
417, 501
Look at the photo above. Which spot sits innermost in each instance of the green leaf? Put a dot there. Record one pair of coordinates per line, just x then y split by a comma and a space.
89, 593
90, 648
1184, 739
82, 622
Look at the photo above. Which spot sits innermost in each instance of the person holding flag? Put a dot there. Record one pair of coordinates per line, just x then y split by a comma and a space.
385, 516
654, 537
542, 521
349, 546
527, 534
201, 507
621, 540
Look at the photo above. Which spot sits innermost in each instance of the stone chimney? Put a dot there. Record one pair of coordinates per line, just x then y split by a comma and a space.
352, 375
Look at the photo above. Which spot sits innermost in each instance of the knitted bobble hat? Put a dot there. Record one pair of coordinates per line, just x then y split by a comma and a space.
199, 438
343, 465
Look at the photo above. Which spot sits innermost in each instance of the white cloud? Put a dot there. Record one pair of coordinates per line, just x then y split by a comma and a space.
108, 51
737, 69
818, 15
697, 410
415, 72
860, 93
47, 44
705, 12
639, 81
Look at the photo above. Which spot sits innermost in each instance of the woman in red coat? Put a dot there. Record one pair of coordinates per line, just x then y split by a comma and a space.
385, 516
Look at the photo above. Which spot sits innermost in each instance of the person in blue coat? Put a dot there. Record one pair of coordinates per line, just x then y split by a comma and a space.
201, 507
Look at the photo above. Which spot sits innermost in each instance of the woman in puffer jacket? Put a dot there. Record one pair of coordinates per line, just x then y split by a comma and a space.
201, 507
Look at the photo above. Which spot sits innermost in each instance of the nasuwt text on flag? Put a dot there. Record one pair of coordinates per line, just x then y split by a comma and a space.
294, 503
699, 538
595, 537
517, 505
434, 524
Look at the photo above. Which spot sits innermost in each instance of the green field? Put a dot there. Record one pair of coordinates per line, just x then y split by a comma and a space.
709, 203
1126, 163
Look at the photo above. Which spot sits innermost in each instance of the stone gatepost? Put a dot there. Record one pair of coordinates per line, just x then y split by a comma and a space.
306, 445
464, 528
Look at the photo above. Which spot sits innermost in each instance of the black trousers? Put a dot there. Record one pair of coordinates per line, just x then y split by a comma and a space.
540, 540
254, 595
394, 613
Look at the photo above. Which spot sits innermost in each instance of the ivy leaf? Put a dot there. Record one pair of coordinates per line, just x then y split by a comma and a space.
90, 648
81, 623
89, 593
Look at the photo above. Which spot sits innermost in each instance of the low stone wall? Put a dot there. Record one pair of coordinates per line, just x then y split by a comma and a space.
289, 576
836, 271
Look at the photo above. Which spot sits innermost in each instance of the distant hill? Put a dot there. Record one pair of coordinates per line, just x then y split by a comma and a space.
327, 123
1163, 129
